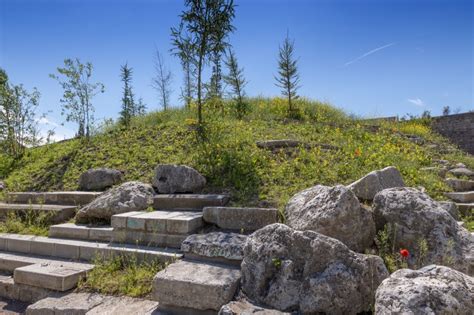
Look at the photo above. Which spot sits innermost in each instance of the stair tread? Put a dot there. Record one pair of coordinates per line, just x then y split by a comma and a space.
44, 207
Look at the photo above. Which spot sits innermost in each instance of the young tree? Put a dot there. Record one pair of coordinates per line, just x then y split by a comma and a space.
446, 110
18, 121
75, 79
288, 78
162, 81
128, 103
183, 50
206, 24
235, 79
140, 109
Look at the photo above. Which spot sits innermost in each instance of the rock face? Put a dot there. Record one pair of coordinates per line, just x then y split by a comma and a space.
368, 186
308, 272
451, 207
229, 246
130, 196
170, 179
99, 179
332, 211
244, 307
413, 217
430, 290
247, 219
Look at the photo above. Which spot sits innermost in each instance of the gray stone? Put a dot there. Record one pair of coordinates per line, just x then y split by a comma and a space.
462, 172
70, 198
130, 196
460, 184
430, 290
50, 213
195, 285
246, 219
244, 307
451, 207
170, 179
308, 272
191, 202
441, 171
3, 186
332, 211
70, 304
460, 165
461, 197
213, 245
124, 305
99, 179
368, 186
414, 217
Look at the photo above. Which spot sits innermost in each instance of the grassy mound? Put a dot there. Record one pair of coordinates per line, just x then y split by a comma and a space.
229, 157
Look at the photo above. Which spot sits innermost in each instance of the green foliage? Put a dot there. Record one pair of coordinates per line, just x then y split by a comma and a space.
29, 222
74, 78
128, 102
121, 276
235, 79
229, 157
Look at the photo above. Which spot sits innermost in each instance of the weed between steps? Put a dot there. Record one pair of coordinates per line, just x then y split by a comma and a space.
121, 276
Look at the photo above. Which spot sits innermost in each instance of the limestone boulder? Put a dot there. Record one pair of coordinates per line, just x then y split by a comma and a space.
307, 272
99, 179
430, 290
130, 196
215, 245
368, 186
170, 179
332, 211
414, 217
451, 207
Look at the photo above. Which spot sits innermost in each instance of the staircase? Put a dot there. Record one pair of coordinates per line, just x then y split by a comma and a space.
462, 195
199, 238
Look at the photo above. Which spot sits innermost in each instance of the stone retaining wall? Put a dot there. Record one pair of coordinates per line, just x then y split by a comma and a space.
459, 128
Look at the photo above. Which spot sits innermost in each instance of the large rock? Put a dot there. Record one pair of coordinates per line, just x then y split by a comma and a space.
170, 179
70, 304
430, 290
452, 208
414, 217
368, 186
308, 272
214, 246
99, 179
332, 211
130, 196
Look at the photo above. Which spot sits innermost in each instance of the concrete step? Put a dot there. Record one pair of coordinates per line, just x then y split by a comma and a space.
186, 285
52, 213
82, 232
20, 292
466, 209
462, 197
188, 201
462, 172
70, 198
460, 184
240, 219
157, 228
46, 273
81, 249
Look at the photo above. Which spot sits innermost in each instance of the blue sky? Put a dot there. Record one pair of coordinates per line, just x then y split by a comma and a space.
371, 58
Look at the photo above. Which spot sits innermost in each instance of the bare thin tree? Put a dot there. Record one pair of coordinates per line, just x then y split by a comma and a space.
162, 81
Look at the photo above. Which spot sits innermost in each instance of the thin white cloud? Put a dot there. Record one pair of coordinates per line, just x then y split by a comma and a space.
46, 121
368, 54
416, 101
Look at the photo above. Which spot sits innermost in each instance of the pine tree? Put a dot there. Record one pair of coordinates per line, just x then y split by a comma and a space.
235, 79
128, 103
288, 78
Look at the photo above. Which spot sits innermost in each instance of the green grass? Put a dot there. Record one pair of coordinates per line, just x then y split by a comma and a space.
120, 276
229, 157
27, 223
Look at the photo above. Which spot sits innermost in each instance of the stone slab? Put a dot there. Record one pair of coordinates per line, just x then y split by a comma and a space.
70, 304
81, 232
124, 305
51, 213
460, 184
55, 276
72, 198
462, 197
215, 246
196, 285
20, 292
246, 219
83, 250
124, 236
188, 201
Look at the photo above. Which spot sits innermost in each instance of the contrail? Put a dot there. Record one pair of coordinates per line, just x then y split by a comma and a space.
368, 54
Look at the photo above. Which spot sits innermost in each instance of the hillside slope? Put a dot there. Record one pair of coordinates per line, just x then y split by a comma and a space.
230, 159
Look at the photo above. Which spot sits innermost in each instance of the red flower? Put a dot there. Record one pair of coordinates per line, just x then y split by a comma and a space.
357, 152
404, 252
